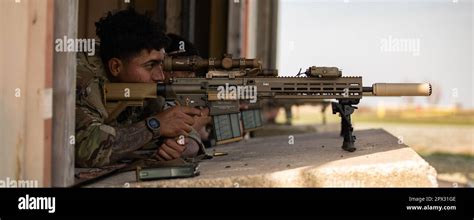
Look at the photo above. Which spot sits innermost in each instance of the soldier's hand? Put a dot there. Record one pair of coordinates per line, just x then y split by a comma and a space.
170, 149
177, 120
200, 122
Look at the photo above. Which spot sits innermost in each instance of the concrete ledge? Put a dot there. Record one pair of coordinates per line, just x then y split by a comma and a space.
314, 160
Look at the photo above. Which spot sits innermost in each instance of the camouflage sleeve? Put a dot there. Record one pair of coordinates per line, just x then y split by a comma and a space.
98, 144
194, 135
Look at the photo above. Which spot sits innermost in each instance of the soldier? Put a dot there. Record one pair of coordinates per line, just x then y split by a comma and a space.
131, 51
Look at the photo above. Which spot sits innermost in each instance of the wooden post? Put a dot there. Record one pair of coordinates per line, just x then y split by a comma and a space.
218, 28
64, 84
234, 29
25, 106
173, 16
266, 39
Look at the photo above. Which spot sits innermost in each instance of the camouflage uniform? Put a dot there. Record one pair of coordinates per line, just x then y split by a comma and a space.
99, 143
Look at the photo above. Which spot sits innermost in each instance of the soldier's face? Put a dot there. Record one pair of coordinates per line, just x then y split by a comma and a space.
146, 67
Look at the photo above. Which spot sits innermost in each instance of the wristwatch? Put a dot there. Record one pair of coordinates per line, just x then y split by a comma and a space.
154, 125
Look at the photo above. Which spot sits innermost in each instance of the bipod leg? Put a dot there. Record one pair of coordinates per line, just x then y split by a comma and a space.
345, 109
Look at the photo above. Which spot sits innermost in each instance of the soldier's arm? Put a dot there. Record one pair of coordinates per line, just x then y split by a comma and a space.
195, 144
98, 144
171, 149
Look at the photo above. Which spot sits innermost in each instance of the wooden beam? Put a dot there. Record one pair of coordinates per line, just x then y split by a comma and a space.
24, 56
234, 29
218, 28
173, 16
188, 11
13, 53
266, 39
48, 95
202, 21
38, 50
64, 84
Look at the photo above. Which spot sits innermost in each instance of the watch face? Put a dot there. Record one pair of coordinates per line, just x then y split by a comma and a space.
153, 123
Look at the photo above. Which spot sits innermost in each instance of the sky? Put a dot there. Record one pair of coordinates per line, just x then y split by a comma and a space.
383, 41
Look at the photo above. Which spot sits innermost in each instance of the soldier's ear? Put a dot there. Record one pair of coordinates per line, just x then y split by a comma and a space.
115, 66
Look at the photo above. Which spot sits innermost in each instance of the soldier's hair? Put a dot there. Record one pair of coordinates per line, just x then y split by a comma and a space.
173, 48
126, 33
